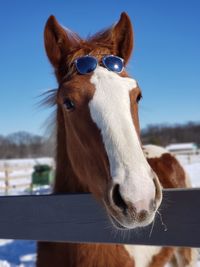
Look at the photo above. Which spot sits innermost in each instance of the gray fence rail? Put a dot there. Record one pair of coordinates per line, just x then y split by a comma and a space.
79, 218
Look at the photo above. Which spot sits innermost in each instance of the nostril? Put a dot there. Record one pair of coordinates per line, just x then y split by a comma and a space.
118, 200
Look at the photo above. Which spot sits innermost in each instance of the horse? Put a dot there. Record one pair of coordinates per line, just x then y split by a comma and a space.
99, 148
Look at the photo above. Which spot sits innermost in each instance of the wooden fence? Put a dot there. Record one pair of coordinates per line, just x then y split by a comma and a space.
16, 175
15, 178
79, 218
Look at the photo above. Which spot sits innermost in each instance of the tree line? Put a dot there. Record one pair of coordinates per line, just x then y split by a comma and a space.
27, 145
166, 134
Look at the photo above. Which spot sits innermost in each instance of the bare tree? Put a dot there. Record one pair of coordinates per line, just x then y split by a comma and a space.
164, 134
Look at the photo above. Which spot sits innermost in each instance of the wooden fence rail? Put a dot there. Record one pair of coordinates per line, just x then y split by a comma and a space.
79, 218
15, 177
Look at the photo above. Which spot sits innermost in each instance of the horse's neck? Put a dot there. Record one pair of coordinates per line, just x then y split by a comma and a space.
82, 255
66, 180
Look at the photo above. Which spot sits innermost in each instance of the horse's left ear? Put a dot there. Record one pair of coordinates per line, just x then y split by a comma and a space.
122, 36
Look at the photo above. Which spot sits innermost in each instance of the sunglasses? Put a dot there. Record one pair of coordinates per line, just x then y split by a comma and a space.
87, 64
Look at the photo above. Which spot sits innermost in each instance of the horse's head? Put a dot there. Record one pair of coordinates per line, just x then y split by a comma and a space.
99, 103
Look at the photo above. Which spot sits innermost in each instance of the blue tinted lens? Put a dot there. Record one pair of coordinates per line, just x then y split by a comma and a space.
86, 64
113, 63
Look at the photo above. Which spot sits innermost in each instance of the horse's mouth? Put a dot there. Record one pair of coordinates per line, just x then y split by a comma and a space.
117, 224
128, 225
130, 221
127, 217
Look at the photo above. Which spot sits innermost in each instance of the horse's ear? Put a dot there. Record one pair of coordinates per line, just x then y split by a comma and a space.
122, 36
57, 40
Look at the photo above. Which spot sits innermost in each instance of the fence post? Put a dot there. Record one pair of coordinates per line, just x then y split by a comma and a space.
6, 178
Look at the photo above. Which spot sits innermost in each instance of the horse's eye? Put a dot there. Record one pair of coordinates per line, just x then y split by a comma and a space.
69, 104
139, 97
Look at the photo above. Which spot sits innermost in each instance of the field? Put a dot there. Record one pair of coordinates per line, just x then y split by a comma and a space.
16, 253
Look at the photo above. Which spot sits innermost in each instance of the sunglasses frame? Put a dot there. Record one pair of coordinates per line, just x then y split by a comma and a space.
103, 61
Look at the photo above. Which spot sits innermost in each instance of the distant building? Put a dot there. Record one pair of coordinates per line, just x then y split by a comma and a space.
183, 148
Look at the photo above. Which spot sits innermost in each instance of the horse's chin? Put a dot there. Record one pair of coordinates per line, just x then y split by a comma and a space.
128, 225
118, 225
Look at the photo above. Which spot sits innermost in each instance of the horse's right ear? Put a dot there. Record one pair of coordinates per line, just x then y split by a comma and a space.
57, 41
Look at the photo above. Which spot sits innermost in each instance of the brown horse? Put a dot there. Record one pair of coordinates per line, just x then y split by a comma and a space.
99, 148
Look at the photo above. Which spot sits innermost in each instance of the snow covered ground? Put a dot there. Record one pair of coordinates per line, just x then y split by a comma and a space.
192, 166
17, 253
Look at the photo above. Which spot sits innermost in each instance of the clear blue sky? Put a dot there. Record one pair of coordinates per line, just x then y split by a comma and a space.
166, 58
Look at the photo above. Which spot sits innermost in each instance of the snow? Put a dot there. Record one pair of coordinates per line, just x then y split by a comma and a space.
188, 159
4, 264
18, 253
181, 146
4, 242
191, 164
194, 172
30, 162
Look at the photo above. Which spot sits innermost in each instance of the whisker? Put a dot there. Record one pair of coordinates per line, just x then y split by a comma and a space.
162, 222
151, 230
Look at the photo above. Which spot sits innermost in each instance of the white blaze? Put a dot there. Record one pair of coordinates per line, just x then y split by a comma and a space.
110, 110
